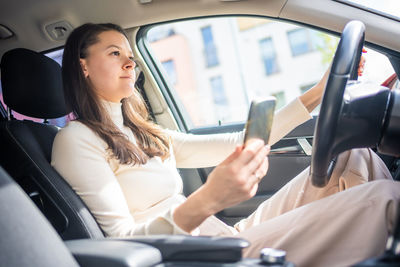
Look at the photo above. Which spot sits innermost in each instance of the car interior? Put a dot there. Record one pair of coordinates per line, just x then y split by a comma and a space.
42, 215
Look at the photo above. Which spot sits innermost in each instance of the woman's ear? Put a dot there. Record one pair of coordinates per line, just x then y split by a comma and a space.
84, 67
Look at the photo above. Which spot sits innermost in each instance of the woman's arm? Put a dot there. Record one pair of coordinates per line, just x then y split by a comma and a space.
199, 151
313, 97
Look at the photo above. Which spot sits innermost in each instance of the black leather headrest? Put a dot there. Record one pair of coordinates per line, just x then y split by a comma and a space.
32, 84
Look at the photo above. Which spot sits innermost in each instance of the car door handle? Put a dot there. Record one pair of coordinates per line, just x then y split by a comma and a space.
303, 147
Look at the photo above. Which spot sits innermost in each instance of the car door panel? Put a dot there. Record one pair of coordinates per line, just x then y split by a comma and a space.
287, 159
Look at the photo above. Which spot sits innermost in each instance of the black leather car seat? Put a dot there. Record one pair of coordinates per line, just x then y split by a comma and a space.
32, 86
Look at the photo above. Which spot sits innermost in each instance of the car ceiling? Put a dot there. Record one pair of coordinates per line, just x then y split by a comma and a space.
28, 19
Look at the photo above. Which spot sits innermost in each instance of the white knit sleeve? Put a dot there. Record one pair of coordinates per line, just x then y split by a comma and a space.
288, 118
198, 151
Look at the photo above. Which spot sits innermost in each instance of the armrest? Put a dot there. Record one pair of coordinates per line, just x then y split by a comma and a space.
195, 248
103, 252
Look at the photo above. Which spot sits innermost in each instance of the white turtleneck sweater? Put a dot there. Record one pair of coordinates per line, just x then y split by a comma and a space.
129, 200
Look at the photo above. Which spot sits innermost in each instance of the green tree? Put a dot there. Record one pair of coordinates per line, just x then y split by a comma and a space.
327, 47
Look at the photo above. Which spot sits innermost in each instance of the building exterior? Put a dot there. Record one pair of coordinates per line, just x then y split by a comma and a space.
230, 61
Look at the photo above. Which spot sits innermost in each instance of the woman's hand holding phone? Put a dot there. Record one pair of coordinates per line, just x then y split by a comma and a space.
233, 181
236, 178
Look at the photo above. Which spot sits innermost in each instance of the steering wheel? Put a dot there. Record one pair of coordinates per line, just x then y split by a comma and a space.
344, 67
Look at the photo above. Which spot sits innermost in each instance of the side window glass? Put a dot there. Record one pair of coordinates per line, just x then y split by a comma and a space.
216, 66
60, 122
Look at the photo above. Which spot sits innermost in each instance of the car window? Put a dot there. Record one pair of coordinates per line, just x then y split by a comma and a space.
60, 122
216, 66
387, 8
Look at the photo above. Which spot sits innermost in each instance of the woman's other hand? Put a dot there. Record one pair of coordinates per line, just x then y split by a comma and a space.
313, 97
361, 64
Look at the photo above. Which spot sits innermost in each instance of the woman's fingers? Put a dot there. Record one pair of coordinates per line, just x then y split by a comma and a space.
258, 175
253, 161
234, 155
361, 64
236, 178
262, 170
248, 153
255, 165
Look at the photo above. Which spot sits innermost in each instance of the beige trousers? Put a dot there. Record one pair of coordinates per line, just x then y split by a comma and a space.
343, 223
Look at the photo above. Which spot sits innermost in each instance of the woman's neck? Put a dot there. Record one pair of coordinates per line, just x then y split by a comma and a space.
114, 110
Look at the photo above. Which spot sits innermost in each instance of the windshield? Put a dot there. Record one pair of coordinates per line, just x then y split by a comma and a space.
387, 8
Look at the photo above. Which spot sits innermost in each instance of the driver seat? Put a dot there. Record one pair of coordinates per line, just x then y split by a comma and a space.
32, 86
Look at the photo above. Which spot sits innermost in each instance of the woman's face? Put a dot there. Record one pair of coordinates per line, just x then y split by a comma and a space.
109, 67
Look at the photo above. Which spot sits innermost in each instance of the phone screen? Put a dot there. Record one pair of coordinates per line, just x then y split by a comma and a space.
260, 118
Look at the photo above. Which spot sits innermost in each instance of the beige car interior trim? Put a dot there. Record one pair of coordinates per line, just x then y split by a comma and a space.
29, 22
319, 12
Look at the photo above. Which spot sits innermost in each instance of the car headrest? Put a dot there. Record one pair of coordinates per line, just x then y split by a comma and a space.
32, 84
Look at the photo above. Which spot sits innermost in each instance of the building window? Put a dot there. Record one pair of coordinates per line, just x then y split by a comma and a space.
268, 55
220, 100
210, 51
169, 67
304, 88
218, 91
303, 41
280, 100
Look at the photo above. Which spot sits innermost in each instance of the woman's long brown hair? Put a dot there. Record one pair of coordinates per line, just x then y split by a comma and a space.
89, 110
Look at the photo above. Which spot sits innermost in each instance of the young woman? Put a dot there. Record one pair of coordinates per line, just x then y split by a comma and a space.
123, 166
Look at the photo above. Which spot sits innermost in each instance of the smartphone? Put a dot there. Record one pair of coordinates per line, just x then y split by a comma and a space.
259, 121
